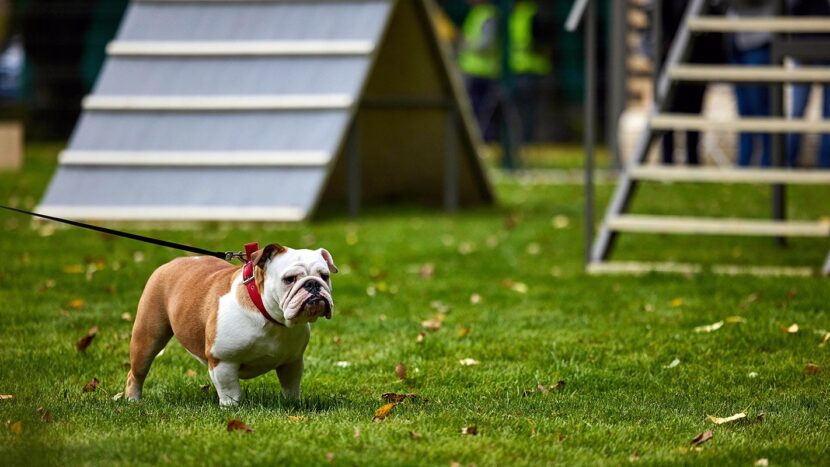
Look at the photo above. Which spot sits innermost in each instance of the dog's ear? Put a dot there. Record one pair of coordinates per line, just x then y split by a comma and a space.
329, 260
261, 257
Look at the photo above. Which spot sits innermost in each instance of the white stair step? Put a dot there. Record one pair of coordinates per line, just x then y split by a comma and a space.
729, 175
219, 103
638, 268
754, 124
717, 226
755, 74
239, 48
785, 24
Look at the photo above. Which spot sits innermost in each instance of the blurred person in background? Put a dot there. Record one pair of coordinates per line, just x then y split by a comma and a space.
801, 93
688, 97
751, 48
480, 59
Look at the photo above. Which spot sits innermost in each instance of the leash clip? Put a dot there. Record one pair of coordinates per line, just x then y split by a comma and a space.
231, 255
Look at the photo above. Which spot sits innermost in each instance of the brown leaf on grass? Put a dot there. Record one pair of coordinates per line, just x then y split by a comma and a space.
475, 299
6, 396
329, 457
126, 316
511, 221
400, 370
440, 306
721, 421
824, 339
45, 415
91, 385
16, 427
463, 331
760, 417
468, 362
84, 342
76, 303
431, 325
701, 438
559, 384
427, 270
118, 396
811, 368
383, 411
634, 457
356, 432
421, 337
542, 388
236, 424
749, 300
677, 302
469, 430
762, 462
191, 373
415, 435
205, 387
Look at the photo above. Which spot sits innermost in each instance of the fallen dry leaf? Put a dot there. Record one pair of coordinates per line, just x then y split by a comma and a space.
676, 302
16, 427
76, 303
205, 387
811, 369
118, 396
760, 417
400, 370
519, 287
191, 373
468, 362
542, 388
463, 331
534, 249
45, 415
431, 325
84, 342
673, 363
415, 435
709, 327
427, 270
6, 396
469, 430
356, 432
236, 424
792, 329
421, 337
126, 316
383, 411
701, 438
91, 385
735, 319
560, 222
343, 364
559, 384
634, 457
824, 339
395, 397
762, 462
329, 457
475, 299
297, 418
721, 421
440, 306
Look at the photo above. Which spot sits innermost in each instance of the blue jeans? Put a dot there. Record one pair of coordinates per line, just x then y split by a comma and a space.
801, 95
753, 101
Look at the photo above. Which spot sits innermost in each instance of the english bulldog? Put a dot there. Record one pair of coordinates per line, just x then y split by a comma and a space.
206, 304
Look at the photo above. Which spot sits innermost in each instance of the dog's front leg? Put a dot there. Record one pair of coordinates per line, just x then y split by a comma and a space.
290, 375
225, 376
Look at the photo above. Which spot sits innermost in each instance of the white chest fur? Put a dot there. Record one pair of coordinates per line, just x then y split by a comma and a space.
258, 346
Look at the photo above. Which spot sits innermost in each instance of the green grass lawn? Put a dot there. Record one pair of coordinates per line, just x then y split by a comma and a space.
539, 320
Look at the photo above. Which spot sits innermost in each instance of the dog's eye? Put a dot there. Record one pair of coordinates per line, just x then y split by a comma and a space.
288, 280
325, 277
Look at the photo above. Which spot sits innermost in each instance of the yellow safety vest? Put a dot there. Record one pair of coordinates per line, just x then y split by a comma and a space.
523, 59
473, 59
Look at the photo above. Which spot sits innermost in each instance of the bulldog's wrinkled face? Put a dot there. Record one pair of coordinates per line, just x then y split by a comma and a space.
297, 285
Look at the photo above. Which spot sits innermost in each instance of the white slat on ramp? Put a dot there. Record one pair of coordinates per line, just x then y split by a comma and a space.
716, 226
730, 175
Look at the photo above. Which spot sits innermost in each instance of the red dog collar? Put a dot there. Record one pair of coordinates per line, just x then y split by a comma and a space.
250, 283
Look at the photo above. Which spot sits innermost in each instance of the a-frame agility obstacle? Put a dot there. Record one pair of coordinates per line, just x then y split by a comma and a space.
266, 110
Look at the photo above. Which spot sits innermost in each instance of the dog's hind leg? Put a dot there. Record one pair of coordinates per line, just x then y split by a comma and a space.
151, 333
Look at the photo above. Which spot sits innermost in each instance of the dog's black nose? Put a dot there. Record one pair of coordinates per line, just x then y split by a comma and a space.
312, 286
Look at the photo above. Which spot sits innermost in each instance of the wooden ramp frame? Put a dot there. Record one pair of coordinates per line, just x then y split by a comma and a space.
616, 220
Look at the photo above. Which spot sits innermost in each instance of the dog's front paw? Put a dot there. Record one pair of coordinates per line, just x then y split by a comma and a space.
228, 402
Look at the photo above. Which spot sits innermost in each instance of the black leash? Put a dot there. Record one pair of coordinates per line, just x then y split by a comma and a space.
226, 255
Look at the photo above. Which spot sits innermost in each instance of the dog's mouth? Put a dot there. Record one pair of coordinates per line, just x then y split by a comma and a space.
317, 306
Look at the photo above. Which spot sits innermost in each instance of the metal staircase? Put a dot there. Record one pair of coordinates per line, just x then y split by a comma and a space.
695, 22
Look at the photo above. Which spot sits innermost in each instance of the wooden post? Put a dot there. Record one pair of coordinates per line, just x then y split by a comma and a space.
11, 146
